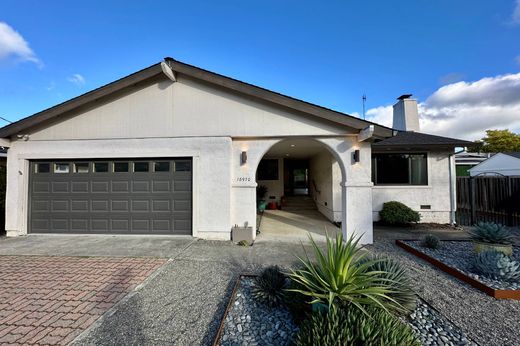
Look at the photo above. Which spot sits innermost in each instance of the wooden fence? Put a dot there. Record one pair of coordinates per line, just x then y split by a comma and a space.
490, 199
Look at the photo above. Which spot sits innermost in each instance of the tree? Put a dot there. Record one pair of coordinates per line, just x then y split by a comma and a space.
497, 141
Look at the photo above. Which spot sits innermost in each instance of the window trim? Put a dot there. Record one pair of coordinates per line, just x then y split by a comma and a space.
402, 185
96, 162
57, 163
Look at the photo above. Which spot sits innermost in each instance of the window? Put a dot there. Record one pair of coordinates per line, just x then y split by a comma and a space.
182, 166
120, 167
61, 168
80, 167
100, 167
161, 166
141, 167
399, 169
43, 167
268, 169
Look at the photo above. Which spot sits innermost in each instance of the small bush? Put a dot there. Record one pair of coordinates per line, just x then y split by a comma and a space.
496, 265
431, 242
489, 232
396, 213
269, 287
243, 243
343, 326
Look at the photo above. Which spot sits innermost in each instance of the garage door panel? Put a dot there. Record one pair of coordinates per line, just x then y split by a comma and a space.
86, 201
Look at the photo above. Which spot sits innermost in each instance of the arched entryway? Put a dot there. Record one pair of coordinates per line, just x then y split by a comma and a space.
301, 179
353, 160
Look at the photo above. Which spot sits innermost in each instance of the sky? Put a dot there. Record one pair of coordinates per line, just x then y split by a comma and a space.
460, 59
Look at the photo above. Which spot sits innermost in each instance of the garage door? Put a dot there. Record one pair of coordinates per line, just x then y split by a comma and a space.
136, 196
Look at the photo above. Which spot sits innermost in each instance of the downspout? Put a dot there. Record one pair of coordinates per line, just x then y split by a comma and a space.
453, 186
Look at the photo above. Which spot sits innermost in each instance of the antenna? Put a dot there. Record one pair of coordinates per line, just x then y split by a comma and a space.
364, 101
4, 119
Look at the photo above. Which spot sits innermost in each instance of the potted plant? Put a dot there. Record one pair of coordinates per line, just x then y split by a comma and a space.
491, 236
261, 192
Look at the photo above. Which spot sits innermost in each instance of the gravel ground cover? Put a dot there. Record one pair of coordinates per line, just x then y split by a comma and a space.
486, 320
251, 323
459, 255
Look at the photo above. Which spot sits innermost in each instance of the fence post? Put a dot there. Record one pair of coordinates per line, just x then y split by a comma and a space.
509, 199
472, 197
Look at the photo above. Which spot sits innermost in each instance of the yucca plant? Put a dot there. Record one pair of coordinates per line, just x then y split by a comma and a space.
342, 274
489, 232
269, 286
353, 327
392, 274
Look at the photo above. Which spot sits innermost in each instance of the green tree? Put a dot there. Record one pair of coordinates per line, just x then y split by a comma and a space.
497, 141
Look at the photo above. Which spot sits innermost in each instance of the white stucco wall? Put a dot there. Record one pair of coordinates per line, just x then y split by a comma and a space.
436, 193
325, 172
211, 188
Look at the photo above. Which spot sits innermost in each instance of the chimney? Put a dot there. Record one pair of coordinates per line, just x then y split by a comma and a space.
406, 115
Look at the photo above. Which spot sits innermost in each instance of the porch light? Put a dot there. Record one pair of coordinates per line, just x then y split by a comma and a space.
243, 158
355, 155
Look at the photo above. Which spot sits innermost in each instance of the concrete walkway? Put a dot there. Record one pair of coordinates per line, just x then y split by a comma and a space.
295, 226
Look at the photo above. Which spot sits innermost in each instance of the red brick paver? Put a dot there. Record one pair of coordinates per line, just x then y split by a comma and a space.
51, 300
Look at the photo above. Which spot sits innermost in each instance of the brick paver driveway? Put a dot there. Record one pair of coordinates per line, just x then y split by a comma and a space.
51, 300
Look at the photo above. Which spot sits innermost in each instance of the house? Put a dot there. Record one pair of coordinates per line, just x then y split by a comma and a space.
507, 164
465, 160
175, 149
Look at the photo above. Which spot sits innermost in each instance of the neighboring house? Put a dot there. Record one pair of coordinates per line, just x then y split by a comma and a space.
465, 160
174, 149
507, 164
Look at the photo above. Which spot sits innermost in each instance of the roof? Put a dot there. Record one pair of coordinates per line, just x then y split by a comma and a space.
195, 72
417, 139
515, 154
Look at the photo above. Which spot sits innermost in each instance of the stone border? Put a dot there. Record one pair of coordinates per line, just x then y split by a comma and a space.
498, 294
229, 305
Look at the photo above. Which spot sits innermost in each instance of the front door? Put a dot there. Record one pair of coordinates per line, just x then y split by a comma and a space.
296, 177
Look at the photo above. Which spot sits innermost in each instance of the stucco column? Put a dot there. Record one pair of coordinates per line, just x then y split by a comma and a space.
357, 211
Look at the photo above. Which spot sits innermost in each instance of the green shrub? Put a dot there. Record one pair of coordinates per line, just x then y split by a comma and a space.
396, 213
342, 274
431, 241
353, 327
269, 286
391, 273
496, 265
243, 243
489, 232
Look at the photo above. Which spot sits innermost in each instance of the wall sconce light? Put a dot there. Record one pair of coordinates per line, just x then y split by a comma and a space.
355, 156
243, 158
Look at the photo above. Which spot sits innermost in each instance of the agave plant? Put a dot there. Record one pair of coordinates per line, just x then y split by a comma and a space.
497, 266
353, 327
342, 274
392, 274
489, 232
269, 287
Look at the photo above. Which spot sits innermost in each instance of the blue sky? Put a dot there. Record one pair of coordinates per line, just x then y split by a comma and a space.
327, 53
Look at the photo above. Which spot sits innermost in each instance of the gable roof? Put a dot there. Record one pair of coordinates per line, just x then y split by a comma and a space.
515, 154
417, 139
200, 74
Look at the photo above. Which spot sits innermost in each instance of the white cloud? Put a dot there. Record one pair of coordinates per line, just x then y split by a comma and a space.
516, 13
77, 79
466, 109
13, 44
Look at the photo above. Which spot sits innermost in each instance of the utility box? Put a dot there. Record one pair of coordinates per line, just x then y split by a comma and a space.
242, 233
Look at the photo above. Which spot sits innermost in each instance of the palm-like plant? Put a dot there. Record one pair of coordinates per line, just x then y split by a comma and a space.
342, 274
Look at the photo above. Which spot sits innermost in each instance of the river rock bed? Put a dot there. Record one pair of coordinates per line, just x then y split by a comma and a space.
252, 323
433, 329
459, 255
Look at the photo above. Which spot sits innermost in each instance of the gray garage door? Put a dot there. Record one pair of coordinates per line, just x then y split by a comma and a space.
141, 196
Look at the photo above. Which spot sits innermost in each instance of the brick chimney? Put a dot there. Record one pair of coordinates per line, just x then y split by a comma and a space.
406, 115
